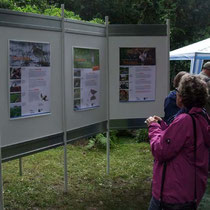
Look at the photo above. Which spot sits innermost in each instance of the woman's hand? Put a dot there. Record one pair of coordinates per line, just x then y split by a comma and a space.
150, 120
157, 118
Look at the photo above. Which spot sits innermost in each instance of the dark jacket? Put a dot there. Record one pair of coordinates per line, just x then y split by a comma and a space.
207, 80
170, 107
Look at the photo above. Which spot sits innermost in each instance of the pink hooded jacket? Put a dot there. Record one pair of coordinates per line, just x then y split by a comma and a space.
174, 144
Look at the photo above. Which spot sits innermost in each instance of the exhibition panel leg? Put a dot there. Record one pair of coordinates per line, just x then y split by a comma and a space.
65, 166
108, 151
20, 166
1, 190
1, 183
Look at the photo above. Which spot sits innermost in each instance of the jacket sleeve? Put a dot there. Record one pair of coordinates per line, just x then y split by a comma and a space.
166, 144
167, 107
163, 125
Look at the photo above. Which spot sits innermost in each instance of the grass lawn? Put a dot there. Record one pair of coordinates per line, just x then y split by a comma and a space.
205, 203
127, 187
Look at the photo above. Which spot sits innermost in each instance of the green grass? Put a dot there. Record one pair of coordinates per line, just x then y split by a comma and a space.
128, 186
205, 203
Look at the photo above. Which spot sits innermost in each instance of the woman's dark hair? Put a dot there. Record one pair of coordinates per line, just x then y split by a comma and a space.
193, 91
178, 77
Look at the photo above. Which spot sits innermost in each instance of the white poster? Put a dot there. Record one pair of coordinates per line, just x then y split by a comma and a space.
137, 74
141, 83
86, 78
29, 76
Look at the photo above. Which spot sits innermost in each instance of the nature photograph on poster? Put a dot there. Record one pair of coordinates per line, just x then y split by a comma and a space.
15, 86
29, 78
15, 98
137, 74
137, 56
85, 58
15, 111
86, 78
15, 73
29, 54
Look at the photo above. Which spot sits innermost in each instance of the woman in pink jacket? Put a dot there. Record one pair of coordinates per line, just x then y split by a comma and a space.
180, 172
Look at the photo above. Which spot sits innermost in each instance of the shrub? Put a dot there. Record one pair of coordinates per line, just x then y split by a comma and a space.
97, 20
142, 135
54, 11
100, 140
43, 9
28, 8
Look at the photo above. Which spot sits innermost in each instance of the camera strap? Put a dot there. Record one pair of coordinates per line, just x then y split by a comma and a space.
195, 148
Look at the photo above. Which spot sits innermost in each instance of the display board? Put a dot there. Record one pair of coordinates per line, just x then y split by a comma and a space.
92, 115
74, 77
29, 78
139, 74
27, 82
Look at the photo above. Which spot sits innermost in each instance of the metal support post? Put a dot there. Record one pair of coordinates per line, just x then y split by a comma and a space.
20, 167
64, 102
1, 182
108, 104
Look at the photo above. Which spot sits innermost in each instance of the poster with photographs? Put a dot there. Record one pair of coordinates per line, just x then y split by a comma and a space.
137, 74
86, 78
29, 78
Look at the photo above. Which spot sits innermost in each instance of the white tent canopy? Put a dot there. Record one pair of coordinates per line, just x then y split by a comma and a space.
197, 53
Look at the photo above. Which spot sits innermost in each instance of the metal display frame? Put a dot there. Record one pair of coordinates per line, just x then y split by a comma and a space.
64, 101
64, 26
108, 108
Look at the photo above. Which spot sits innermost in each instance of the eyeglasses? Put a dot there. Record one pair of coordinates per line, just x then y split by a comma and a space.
176, 89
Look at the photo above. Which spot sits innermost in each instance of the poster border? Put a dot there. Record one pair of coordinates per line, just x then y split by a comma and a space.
72, 76
8, 81
151, 100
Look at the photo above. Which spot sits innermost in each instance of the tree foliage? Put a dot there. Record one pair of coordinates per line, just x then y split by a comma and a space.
41, 7
189, 19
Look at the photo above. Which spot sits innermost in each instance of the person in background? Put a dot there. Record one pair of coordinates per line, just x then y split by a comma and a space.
205, 75
170, 107
180, 155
